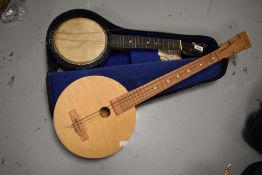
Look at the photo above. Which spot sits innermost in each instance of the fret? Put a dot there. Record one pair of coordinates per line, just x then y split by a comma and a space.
138, 41
151, 42
144, 92
123, 41
127, 43
119, 40
155, 42
158, 87
133, 96
170, 43
165, 43
141, 42
162, 43
135, 42
121, 105
146, 42
133, 93
112, 38
132, 42
128, 103
126, 39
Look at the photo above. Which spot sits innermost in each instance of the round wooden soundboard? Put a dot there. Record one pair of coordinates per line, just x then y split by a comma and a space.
101, 134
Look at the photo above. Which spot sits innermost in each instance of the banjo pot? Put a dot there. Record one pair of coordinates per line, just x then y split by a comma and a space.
80, 41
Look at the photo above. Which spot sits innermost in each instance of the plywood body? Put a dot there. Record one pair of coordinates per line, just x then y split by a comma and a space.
80, 41
88, 95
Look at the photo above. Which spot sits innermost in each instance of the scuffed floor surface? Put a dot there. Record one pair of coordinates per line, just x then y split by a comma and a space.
197, 131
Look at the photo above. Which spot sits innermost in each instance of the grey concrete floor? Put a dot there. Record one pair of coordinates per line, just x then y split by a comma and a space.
194, 132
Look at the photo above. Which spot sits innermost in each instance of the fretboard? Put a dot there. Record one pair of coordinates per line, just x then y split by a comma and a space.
142, 42
143, 93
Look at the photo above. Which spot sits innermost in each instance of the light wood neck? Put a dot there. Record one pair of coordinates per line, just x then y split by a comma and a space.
143, 42
144, 92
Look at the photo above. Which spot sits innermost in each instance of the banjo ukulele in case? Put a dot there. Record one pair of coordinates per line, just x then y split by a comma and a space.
82, 43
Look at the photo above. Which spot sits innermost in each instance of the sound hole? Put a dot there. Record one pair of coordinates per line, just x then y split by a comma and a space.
105, 112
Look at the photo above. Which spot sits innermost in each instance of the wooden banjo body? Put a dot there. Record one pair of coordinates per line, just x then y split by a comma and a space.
106, 134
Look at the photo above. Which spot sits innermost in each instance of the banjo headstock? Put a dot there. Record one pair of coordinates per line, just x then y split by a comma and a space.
234, 45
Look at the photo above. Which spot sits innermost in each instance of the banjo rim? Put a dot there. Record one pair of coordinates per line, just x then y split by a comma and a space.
60, 59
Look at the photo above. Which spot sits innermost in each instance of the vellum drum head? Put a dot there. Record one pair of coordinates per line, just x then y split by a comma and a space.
80, 41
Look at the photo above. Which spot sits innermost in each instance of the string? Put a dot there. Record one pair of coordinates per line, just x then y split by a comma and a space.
162, 77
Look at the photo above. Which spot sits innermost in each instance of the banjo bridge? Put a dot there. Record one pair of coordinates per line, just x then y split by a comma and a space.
77, 125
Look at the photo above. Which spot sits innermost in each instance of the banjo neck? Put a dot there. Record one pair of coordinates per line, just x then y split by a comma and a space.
134, 97
143, 42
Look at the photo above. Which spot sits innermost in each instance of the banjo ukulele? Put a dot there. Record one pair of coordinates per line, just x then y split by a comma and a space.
82, 43
94, 115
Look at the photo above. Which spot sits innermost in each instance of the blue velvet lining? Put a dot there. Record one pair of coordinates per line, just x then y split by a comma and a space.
118, 67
